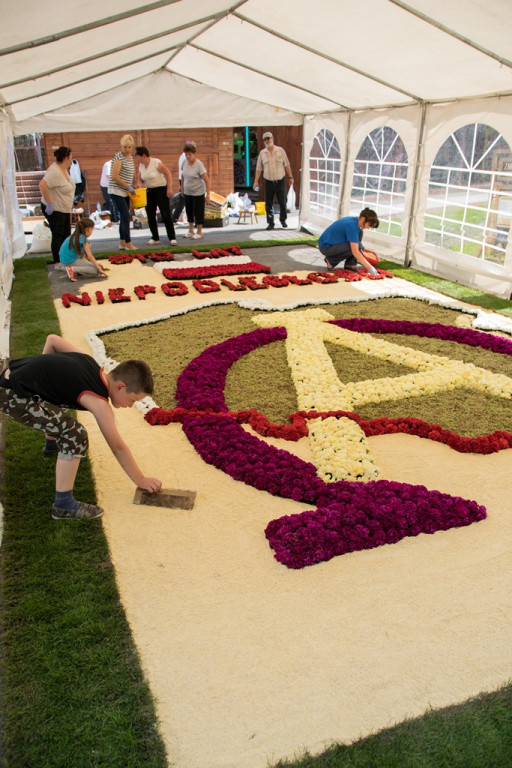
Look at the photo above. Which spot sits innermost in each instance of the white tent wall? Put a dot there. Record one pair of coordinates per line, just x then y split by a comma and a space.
405, 121
422, 139
12, 239
441, 121
338, 124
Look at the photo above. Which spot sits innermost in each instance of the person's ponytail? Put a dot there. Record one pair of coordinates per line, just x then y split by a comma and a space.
80, 229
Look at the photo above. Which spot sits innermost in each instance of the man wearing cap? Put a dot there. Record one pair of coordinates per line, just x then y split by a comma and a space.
274, 164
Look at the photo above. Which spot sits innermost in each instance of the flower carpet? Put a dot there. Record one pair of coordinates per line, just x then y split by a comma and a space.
303, 600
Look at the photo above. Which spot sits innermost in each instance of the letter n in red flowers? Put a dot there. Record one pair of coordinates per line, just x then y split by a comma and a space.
71, 298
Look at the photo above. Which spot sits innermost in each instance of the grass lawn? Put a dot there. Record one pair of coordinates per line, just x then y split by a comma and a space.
461, 230
73, 692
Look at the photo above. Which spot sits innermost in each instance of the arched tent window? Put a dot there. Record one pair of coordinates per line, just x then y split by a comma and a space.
380, 175
470, 194
324, 174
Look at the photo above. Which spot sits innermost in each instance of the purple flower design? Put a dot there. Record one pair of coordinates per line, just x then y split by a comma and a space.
349, 516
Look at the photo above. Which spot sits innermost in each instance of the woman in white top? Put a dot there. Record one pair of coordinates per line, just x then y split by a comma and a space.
157, 179
121, 183
57, 192
196, 187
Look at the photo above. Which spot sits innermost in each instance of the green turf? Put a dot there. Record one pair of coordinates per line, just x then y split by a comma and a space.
455, 290
73, 691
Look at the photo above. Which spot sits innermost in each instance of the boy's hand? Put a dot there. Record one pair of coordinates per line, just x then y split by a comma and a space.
150, 484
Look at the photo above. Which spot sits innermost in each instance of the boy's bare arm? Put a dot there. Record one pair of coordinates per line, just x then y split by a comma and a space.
56, 343
104, 415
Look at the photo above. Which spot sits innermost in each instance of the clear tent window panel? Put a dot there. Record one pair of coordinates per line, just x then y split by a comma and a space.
469, 206
379, 181
324, 174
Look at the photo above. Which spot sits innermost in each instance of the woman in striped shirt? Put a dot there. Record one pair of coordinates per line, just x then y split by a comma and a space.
121, 183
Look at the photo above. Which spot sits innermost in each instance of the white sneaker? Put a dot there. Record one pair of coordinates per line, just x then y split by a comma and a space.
153, 242
174, 242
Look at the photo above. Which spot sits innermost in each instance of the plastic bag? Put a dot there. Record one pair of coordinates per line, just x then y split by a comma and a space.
99, 223
234, 202
41, 238
291, 199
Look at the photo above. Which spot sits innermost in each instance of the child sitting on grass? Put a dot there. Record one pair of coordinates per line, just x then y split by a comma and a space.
75, 252
37, 391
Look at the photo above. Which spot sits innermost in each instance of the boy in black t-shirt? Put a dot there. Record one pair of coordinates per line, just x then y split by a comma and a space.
37, 391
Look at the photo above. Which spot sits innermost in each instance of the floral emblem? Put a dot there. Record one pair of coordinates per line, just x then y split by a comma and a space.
350, 515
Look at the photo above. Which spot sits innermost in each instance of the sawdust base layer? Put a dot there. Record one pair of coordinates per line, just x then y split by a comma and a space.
250, 662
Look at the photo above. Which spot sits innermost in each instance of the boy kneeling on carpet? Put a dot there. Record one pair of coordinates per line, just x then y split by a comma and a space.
37, 391
75, 252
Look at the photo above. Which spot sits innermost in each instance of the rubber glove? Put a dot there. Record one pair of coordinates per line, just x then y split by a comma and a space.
49, 209
372, 271
131, 190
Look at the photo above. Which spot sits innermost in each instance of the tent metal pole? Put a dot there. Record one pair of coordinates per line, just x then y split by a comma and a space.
117, 49
264, 73
303, 166
345, 166
323, 55
452, 32
86, 26
417, 171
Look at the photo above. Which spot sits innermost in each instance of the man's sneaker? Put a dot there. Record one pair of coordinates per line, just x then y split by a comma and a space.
84, 512
153, 242
270, 226
71, 274
284, 225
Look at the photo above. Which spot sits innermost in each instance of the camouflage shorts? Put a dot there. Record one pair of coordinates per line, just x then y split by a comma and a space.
71, 437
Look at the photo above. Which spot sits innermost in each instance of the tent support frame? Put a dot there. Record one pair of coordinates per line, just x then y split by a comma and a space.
417, 171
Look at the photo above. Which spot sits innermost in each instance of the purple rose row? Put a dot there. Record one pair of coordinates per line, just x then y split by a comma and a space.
431, 330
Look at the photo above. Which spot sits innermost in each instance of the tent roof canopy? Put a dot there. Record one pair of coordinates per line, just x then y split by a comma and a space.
172, 63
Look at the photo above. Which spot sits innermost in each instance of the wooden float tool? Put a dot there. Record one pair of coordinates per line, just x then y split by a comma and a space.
171, 498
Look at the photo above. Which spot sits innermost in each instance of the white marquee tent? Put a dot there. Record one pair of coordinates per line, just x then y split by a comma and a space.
405, 106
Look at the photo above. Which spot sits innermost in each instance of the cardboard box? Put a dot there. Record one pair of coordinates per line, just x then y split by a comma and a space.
222, 222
